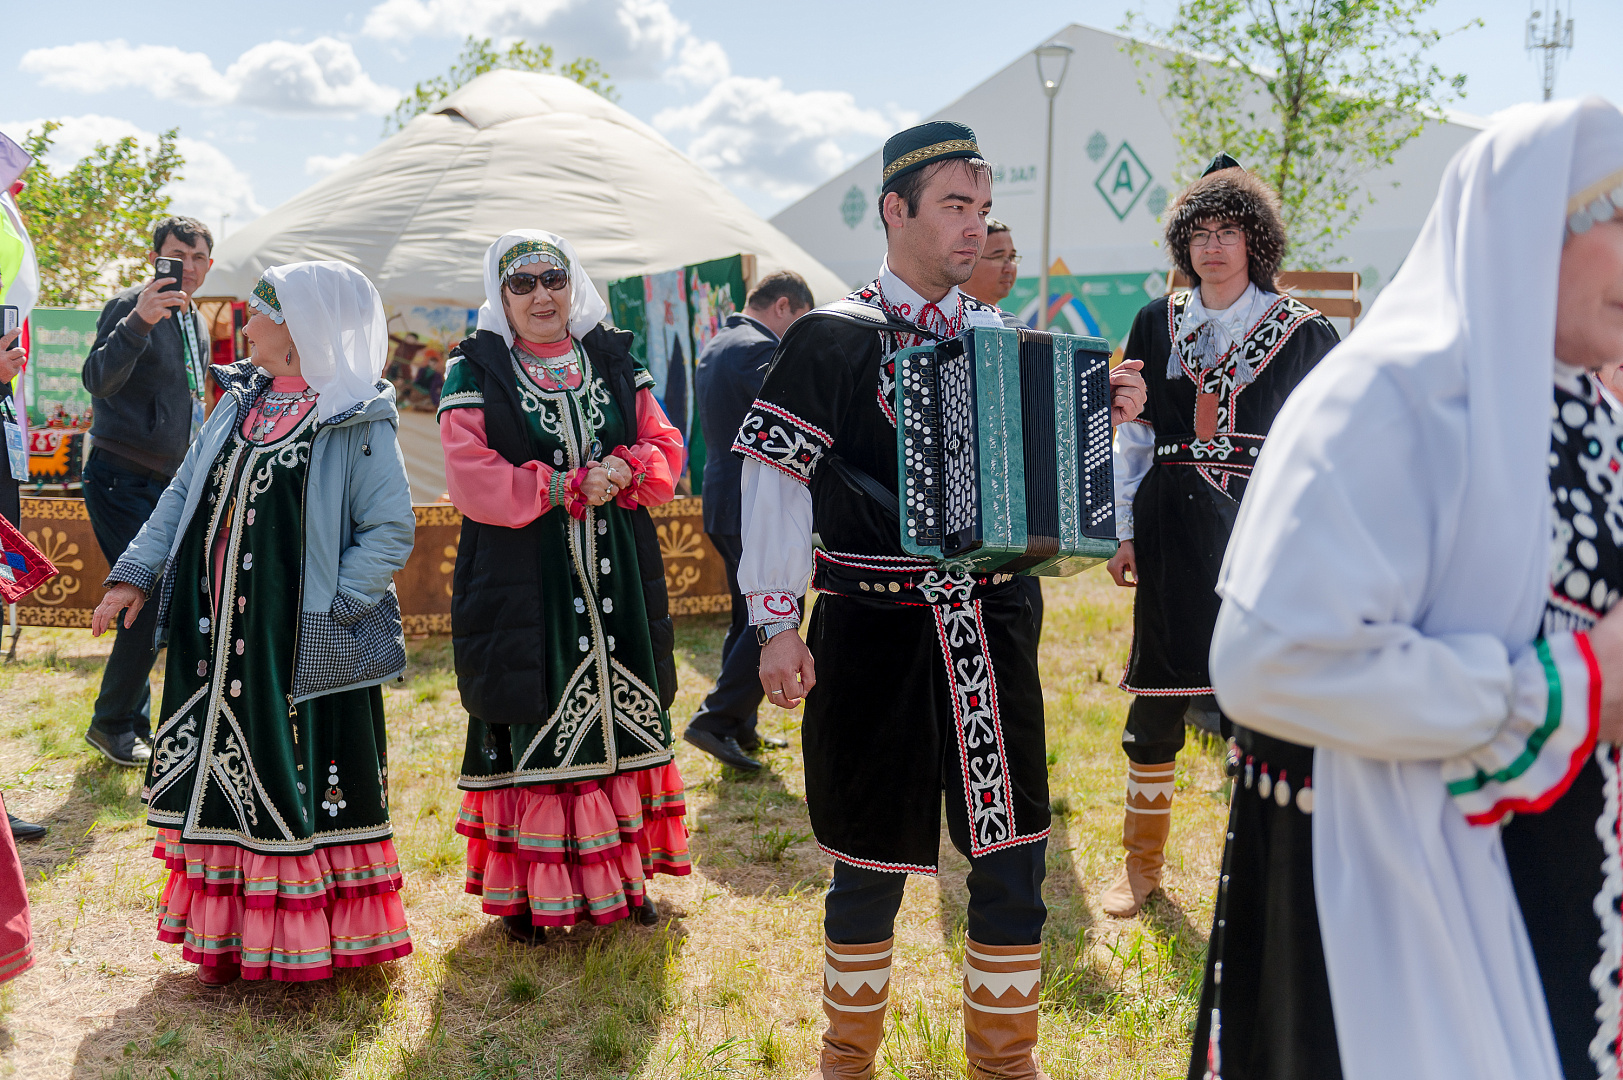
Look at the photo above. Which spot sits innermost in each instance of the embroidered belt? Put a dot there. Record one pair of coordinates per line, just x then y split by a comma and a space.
1232, 451
894, 579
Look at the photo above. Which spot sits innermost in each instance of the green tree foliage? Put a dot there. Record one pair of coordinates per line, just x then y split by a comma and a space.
479, 56
92, 225
1312, 95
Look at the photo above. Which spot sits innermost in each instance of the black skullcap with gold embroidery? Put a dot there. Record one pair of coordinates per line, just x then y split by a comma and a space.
939, 140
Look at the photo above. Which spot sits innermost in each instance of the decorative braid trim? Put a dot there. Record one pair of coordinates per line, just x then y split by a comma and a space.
1605, 977
872, 864
925, 153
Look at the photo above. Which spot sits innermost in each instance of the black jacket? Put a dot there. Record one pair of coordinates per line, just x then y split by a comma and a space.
143, 402
725, 383
497, 633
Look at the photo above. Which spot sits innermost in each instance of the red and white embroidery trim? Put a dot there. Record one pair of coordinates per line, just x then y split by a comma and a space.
770, 607
777, 437
988, 791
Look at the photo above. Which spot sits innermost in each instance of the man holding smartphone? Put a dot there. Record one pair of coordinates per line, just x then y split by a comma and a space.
146, 373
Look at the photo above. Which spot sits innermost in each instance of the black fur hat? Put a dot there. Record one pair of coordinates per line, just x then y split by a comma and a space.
1230, 194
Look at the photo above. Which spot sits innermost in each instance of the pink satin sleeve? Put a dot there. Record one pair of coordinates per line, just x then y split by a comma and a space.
484, 485
660, 447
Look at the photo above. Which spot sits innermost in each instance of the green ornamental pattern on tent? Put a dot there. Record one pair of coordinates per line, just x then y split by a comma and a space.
602, 711
231, 762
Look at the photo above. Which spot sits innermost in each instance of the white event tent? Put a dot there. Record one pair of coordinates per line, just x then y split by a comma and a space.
1115, 158
509, 150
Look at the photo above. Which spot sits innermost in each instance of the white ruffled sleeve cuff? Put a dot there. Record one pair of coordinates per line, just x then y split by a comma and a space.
1532, 760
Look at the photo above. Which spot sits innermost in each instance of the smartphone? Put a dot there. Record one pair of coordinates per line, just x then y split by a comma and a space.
167, 268
11, 316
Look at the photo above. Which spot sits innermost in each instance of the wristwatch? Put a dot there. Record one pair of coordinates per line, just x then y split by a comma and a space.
765, 632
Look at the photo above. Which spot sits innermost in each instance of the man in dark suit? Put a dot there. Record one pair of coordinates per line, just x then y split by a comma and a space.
146, 372
727, 378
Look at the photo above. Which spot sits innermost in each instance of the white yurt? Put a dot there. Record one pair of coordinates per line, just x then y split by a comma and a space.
509, 150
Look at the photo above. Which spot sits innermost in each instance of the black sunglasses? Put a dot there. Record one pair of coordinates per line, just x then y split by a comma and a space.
524, 284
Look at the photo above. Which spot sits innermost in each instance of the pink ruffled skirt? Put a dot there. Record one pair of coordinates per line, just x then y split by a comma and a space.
288, 917
570, 853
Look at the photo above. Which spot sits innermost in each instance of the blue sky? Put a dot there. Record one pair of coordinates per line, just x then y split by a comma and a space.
772, 98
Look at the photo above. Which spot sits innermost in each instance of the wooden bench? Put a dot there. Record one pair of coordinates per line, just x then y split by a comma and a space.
1315, 283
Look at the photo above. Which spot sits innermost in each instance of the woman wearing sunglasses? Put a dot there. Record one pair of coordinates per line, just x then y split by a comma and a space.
554, 449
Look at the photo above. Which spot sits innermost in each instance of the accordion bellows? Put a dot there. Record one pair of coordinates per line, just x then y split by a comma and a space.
1003, 452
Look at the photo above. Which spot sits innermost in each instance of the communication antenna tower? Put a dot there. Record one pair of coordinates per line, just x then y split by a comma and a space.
1552, 37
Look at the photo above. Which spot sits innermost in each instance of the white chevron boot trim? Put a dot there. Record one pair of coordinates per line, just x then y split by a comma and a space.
847, 974
1002, 993
856, 990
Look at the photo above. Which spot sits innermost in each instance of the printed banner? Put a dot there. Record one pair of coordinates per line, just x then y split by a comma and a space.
59, 341
674, 315
1091, 305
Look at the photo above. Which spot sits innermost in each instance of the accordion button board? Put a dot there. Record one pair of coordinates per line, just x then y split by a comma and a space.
1003, 452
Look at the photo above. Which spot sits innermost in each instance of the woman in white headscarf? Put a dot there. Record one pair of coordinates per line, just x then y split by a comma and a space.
554, 449
1417, 588
273, 553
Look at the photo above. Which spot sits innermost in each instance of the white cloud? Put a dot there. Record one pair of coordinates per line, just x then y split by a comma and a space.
755, 133
93, 66
319, 165
632, 39
321, 76
212, 185
700, 63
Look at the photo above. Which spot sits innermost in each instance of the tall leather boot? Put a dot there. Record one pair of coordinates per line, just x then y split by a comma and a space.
1144, 835
856, 989
1002, 984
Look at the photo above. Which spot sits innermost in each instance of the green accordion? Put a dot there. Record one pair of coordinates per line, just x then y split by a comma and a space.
1003, 452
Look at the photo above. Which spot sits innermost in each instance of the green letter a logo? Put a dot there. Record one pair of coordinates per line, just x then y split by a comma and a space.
1124, 178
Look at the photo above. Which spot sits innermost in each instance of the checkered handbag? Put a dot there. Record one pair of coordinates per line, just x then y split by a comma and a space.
22, 568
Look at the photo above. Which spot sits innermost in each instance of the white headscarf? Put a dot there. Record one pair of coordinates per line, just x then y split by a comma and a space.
336, 318
1412, 462
586, 308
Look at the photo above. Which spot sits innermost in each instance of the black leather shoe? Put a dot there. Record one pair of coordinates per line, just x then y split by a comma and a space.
751, 743
26, 830
646, 913
522, 930
121, 749
724, 748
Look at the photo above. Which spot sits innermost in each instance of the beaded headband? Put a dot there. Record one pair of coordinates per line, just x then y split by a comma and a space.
1596, 203
264, 301
526, 252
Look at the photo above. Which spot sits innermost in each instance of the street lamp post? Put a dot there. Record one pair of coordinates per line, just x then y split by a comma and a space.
1054, 55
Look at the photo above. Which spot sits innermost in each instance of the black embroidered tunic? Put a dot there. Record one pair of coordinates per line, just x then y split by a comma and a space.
926, 680
1185, 507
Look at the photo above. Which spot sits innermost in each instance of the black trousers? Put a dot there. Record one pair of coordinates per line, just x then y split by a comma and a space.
1005, 899
733, 704
119, 502
1154, 732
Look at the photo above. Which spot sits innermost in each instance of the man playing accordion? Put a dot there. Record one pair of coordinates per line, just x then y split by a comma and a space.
924, 681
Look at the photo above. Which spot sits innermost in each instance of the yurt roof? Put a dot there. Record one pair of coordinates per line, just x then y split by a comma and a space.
511, 150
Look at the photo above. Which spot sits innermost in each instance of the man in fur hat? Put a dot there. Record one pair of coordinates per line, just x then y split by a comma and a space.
1219, 361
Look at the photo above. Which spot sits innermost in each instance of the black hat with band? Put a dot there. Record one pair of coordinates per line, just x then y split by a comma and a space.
939, 140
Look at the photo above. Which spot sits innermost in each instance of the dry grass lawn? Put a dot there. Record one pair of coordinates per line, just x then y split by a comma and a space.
727, 986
